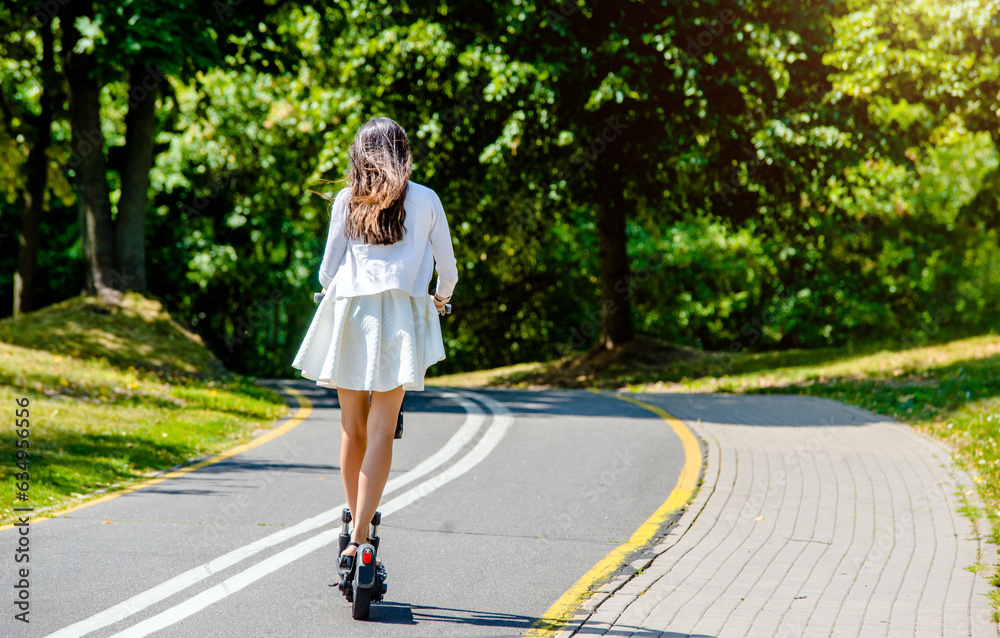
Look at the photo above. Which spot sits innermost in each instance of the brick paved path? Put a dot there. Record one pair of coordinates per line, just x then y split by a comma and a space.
814, 519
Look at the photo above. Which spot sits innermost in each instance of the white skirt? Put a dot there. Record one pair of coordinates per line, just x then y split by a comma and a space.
372, 342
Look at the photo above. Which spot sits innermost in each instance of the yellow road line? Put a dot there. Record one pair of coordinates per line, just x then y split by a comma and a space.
301, 414
560, 612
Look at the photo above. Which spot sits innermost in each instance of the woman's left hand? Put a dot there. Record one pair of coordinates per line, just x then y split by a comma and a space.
438, 304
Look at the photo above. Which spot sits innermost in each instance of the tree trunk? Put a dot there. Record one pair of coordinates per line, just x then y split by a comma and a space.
25, 284
130, 224
616, 311
87, 159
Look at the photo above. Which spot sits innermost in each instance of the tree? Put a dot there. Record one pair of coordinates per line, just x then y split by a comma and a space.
38, 129
930, 73
84, 91
137, 160
583, 112
144, 42
638, 104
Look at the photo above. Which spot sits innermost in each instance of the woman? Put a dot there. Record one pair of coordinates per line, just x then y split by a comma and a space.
377, 329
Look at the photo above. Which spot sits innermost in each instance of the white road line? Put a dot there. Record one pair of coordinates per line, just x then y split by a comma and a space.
461, 438
502, 421
473, 422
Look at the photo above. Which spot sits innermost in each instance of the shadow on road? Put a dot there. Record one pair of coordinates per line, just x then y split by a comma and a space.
762, 409
397, 613
635, 632
326, 398
746, 409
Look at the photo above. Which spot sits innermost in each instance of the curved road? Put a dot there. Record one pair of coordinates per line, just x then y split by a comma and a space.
500, 501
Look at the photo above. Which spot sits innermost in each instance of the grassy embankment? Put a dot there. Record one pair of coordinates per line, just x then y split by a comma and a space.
950, 390
116, 393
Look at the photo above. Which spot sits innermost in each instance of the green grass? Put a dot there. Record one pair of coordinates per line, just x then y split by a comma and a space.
950, 390
480, 378
116, 393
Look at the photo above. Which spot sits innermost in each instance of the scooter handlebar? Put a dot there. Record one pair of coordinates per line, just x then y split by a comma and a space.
318, 298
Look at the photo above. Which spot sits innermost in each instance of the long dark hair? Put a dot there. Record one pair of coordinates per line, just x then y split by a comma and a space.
380, 167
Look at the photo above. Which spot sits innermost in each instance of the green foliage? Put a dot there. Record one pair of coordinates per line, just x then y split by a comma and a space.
794, 174
138, 334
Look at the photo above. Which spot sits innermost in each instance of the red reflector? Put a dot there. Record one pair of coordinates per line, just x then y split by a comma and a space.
366, 557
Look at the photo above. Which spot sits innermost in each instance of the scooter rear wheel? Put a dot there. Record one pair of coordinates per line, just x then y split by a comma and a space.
362, 603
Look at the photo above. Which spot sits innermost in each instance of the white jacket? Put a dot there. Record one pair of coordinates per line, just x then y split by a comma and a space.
355, 268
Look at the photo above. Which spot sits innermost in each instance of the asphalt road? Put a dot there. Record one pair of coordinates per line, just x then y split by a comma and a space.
500, 500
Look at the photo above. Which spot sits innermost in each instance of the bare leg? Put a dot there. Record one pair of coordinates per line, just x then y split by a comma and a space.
354, 440
374, 472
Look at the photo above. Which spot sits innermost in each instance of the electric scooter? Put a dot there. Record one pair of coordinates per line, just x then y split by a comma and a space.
362, 576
